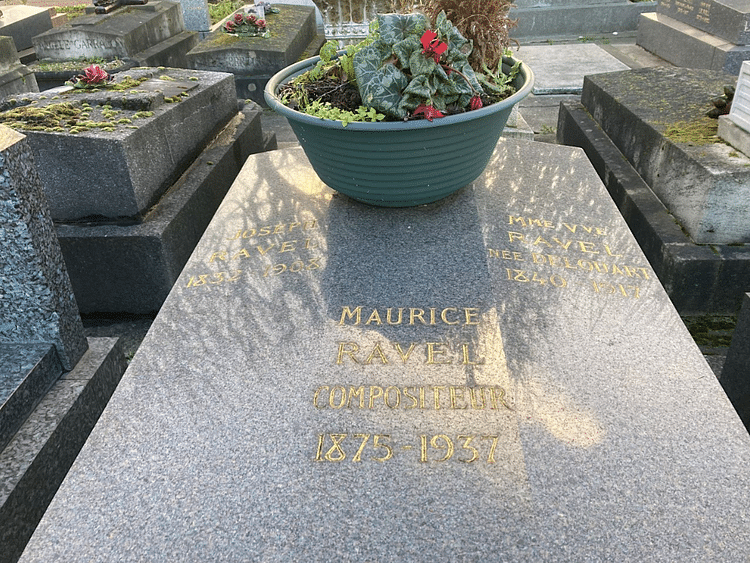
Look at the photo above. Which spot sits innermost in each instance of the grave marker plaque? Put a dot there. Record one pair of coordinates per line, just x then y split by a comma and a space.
496, 376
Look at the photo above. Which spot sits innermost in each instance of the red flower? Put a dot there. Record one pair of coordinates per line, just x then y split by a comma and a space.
229, 26
238, 18
428, 111
475, 103
432, 46
94, 75
261, 23
250, 18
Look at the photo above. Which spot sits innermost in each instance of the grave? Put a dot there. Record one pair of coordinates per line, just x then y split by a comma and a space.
54, 382
23, 23
149, 35
683, 192
549, 19
129, 215
15, 78
496, 376
292, 35
706, 34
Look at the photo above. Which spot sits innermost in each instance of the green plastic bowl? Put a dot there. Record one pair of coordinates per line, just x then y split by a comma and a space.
400, 163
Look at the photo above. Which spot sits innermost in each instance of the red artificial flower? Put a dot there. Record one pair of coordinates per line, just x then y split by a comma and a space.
261, 23
94, 75
229, 26
250, 18
432, 46
475, 103
238, 18
428, 111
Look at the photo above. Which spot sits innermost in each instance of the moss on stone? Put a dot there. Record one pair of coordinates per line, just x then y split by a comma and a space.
703, 131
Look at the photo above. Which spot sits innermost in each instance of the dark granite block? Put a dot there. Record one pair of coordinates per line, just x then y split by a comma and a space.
27, 371
41, 453
735, 377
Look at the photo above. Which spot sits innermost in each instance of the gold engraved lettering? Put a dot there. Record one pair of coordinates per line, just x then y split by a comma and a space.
358, 456
404, 355
375, 393
389, 392
491, 456
415, 313
262, 251
467, 446
388, 318
591, 230
336, 453
376, 351
348, 349
334, 404
471, 315
287, 246
317, 394
457, 394
444, 316
467, 361
378, 442
473, 391
411, 397
355, 392
529, 222
347, 313
433, 349
514, 236
221, 255
374, 318
436, 394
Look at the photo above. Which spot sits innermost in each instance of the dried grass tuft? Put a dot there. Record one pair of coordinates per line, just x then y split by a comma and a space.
484, 22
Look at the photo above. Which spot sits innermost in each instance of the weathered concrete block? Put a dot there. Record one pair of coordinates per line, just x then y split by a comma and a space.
122, 33
140, 147
704, 184
22, 23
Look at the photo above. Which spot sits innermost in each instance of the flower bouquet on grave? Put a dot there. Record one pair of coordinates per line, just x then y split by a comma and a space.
404, 117
245, 25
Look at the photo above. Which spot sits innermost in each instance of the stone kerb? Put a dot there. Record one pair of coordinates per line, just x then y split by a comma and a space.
147, 145
121, 33
37, 302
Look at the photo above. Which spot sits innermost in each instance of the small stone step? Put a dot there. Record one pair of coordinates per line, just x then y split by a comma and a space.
38, 456
27, 371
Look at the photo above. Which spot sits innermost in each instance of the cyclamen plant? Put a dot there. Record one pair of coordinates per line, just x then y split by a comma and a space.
407, 70
92, 77
245, 26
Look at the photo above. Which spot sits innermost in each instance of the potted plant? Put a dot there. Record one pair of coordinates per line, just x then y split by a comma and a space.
401, 118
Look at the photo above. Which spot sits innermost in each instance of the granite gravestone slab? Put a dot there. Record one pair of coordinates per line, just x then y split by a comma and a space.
496, 376
37, 302
656, 117
725, 19
153, 35
15, 78
22, 23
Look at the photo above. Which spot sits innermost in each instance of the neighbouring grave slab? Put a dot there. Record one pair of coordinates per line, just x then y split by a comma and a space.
725, 19
498, 375
683, 45
701, 279
23, 23
139, 139
553, 71
656, 117
34, 463
37, 304
735, 375
152, 34
15, 78
292, 33
116, 268
565, 18
196, 16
